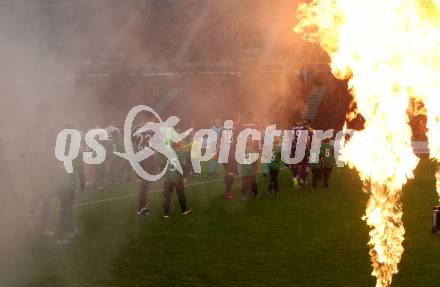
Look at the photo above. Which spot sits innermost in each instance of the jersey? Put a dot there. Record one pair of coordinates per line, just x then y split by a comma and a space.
252, 125
139, 143
112, 130
172, 174
327, 155
40, 157
67, 182
168, 134
187, 144
218, 131
232, 164
325, 158
315, 159
116, 145
249, 169
275, 162
299, 131
107, 144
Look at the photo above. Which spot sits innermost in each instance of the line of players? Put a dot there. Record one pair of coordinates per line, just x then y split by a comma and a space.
321, 165
48, 182
319, 162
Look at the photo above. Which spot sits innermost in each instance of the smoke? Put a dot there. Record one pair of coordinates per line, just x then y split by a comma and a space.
37, 70
92, 60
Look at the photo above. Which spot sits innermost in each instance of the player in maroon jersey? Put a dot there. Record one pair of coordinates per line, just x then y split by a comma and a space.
140, 142
300, 170
231, 168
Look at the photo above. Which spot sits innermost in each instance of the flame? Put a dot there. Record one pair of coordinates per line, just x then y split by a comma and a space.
390, 52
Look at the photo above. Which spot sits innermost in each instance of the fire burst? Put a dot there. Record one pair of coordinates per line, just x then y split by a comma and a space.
390, 51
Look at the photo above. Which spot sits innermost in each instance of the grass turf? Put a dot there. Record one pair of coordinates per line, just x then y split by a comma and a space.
297, 238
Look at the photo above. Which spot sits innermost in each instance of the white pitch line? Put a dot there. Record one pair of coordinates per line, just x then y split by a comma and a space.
154, 190
136, 194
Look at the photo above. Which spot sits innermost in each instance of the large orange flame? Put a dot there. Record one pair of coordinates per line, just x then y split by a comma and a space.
390, 51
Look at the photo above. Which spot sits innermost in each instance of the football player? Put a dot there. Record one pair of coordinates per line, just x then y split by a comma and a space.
141, 141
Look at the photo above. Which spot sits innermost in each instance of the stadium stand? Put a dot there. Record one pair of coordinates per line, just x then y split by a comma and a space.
334, 105
234, 30
145, 48
149, 34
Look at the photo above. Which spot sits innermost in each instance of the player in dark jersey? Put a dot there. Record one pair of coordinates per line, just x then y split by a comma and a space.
101, 170
300, 170
295, 168
321, 163
274, 168
231, 168
115, 163
257, 146
214, 166
249, 174
187, 145
66, 189
140, 142
174, 180
316, 167
305, 163
42, 165
328, 160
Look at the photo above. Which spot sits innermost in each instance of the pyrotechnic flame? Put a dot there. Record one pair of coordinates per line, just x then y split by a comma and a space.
390, 51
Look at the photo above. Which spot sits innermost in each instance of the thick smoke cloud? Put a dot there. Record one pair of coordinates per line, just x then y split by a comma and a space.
92, 60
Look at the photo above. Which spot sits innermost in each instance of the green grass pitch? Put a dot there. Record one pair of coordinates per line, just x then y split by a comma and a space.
297, 238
